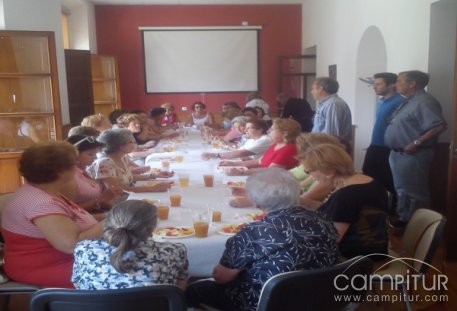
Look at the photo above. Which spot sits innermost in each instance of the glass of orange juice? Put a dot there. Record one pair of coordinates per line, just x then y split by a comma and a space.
179, 158
201, 219
208, 179
183, 180
175, 195
163, 209
216, 216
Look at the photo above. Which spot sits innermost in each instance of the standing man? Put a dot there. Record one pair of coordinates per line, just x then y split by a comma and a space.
376, 163
333, 115
297, 109
411, 135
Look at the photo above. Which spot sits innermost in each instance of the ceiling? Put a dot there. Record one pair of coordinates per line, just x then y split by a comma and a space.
114, 2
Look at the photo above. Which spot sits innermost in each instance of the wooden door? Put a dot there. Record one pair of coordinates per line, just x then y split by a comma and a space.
79, 83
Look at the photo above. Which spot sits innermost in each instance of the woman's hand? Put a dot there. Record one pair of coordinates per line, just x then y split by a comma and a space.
165, 174
208, 155
140, 169
160, 187
228, 163
240, 201
239, 191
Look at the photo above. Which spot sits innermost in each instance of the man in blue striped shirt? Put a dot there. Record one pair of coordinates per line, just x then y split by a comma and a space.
333, 115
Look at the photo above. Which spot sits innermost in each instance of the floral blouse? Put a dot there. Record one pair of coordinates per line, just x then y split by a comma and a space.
285, 240
105, 167
150, 263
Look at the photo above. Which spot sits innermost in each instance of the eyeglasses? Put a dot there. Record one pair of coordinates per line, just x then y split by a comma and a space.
90, 139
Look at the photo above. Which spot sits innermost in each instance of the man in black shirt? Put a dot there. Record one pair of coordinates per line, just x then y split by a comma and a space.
297, 109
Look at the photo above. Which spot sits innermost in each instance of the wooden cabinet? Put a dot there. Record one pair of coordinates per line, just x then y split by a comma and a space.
105, 84
29, 98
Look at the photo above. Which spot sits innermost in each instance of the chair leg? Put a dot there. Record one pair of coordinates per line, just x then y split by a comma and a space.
404, 293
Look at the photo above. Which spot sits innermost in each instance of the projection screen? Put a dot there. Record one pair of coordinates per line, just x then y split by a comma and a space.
201, 59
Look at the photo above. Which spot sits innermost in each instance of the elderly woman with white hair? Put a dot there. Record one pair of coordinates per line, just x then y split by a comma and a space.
115, 168
288, 238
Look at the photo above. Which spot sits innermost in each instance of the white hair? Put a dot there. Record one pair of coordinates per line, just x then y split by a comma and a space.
273, 189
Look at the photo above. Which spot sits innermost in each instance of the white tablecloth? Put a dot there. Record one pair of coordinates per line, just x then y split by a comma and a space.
203, 253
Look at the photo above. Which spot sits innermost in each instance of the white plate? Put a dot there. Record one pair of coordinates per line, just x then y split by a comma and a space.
161, 232
223, 169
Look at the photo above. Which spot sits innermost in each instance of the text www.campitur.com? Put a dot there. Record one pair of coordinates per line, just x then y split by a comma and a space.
392, 298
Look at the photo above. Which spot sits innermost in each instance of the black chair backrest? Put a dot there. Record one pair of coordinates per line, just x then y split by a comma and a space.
316, 289
157, 297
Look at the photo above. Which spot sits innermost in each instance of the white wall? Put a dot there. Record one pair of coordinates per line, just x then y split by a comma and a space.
81, 21
2, 16
335, 27
442, 56
43, 15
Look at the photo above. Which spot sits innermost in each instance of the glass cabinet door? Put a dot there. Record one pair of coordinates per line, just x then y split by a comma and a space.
29, 97
24, 54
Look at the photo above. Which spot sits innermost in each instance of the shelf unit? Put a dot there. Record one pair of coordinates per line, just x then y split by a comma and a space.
295, 75
105, 84
29, 98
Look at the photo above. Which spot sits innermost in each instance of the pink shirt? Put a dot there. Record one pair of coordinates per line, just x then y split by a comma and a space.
86, 187
29, 257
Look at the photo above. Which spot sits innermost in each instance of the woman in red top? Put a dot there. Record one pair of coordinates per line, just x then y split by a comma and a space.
282, 153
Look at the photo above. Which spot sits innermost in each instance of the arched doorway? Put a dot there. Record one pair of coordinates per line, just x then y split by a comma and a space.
371, 58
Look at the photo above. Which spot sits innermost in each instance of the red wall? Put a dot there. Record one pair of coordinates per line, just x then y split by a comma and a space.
118, 34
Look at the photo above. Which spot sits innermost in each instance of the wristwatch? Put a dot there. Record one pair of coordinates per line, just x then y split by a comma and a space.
417, 142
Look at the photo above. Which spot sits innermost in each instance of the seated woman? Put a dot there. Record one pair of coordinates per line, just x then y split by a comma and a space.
314, 191
288, 238
132, 122
170, 119
357, 204
234, 136
114, 167
282, 153
156, 115
97, 121
40, 224
257, 143
91, 194
128, 256
199, 116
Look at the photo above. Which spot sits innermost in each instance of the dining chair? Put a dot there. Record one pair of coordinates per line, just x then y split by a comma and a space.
148, 298
8, 287
319, 289
421, 239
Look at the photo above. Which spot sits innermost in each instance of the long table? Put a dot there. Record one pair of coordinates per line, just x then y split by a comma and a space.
203, 253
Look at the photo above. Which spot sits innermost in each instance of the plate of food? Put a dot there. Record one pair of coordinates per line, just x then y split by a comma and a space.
174, 232
255, 216
231, 229
236, 184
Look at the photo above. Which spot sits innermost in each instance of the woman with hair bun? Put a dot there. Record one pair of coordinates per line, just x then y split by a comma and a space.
127, 256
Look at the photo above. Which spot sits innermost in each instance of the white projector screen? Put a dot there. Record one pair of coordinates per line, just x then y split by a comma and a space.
200, 59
